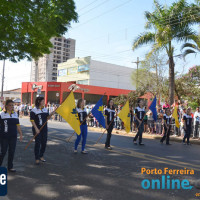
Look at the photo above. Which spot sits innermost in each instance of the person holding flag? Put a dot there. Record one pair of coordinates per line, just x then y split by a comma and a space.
167, 118
139, 116
82, 114
109, 122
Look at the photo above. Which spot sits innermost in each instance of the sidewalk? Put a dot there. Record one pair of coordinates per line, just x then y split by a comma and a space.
145, 135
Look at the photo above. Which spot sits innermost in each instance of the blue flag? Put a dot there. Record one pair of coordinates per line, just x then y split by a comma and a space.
97, 112
153, 109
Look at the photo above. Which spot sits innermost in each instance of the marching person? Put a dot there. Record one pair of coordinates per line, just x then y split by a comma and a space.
196, 123
139, 116
38, 117
109, 119
82, 114
187, 118
167, 118
9, 122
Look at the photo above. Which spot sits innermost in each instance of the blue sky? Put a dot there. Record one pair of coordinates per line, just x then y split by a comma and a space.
105, 31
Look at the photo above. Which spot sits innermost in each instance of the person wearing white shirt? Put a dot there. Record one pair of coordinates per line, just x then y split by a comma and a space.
196, 122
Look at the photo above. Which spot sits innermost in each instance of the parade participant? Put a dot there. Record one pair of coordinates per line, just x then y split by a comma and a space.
166, 105
139, 116
187, 118
82, 114
196, 123
167, 118
9, 122
38, 117
109, 119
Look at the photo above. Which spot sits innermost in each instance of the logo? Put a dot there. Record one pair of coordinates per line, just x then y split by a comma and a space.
3, 181
74, 112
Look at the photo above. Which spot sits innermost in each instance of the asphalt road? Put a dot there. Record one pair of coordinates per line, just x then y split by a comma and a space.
113, 175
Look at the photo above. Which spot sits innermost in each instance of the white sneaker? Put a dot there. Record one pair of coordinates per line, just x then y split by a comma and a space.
75, 151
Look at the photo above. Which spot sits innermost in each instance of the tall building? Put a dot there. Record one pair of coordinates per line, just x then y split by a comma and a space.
45, 69
87, 71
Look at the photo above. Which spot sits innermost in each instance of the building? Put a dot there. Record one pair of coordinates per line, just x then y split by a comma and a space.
14, 94
56, 92
45, 69
91, 72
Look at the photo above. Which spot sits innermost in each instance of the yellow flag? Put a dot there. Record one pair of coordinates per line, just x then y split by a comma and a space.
124, 115
68, 111
175, 116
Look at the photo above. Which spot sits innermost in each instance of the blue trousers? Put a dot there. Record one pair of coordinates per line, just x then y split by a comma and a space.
83, 134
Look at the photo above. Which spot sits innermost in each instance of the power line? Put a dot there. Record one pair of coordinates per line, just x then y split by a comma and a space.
95, 7
87, 5
103, 13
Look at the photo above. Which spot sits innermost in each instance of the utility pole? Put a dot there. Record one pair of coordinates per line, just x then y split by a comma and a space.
2, 80
137, 63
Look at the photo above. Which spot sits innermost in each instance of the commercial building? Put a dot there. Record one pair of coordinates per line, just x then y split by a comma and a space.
45, 69
95, 73
56, 92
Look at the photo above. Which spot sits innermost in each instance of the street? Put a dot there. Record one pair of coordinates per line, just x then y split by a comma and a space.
101, 174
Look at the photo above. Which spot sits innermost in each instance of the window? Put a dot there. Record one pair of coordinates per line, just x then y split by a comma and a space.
54, 78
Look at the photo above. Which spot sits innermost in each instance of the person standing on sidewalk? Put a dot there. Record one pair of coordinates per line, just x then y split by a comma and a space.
82, 114
196, 123
167, 118
109, 118
187, 118
139, 116
9, 122
38, 116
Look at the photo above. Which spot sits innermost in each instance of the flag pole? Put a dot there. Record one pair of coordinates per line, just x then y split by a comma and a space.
72, 89
82, 122
105, 130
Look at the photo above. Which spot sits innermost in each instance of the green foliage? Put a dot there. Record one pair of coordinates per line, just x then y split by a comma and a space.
132, 96
170, 23
188, 86
26, 26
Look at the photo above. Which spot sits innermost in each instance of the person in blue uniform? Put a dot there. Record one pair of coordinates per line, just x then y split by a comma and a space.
187, 118
139, 117
38, 116
9, 122
109, 119
82, 114
167, 118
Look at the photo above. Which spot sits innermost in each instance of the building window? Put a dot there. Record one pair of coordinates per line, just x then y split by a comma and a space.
54, 78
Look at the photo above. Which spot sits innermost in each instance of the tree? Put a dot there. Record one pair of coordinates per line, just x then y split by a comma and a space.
132, 96
151, 74
27, 26
170, 23
190, 48
188, 86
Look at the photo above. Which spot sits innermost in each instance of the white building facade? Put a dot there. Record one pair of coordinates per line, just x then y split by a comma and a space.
45, 69
91, 72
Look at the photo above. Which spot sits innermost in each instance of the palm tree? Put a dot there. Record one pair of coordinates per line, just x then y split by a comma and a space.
170, 24
190, 48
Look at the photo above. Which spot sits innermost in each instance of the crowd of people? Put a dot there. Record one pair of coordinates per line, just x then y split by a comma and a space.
141, 120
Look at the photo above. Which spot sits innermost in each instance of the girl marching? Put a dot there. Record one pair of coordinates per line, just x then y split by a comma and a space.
109, 119
139, 116
187, 118
82, 114
9, 122
38, 117
167, 118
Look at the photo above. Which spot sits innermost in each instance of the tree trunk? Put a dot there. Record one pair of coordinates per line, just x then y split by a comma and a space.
171, 80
